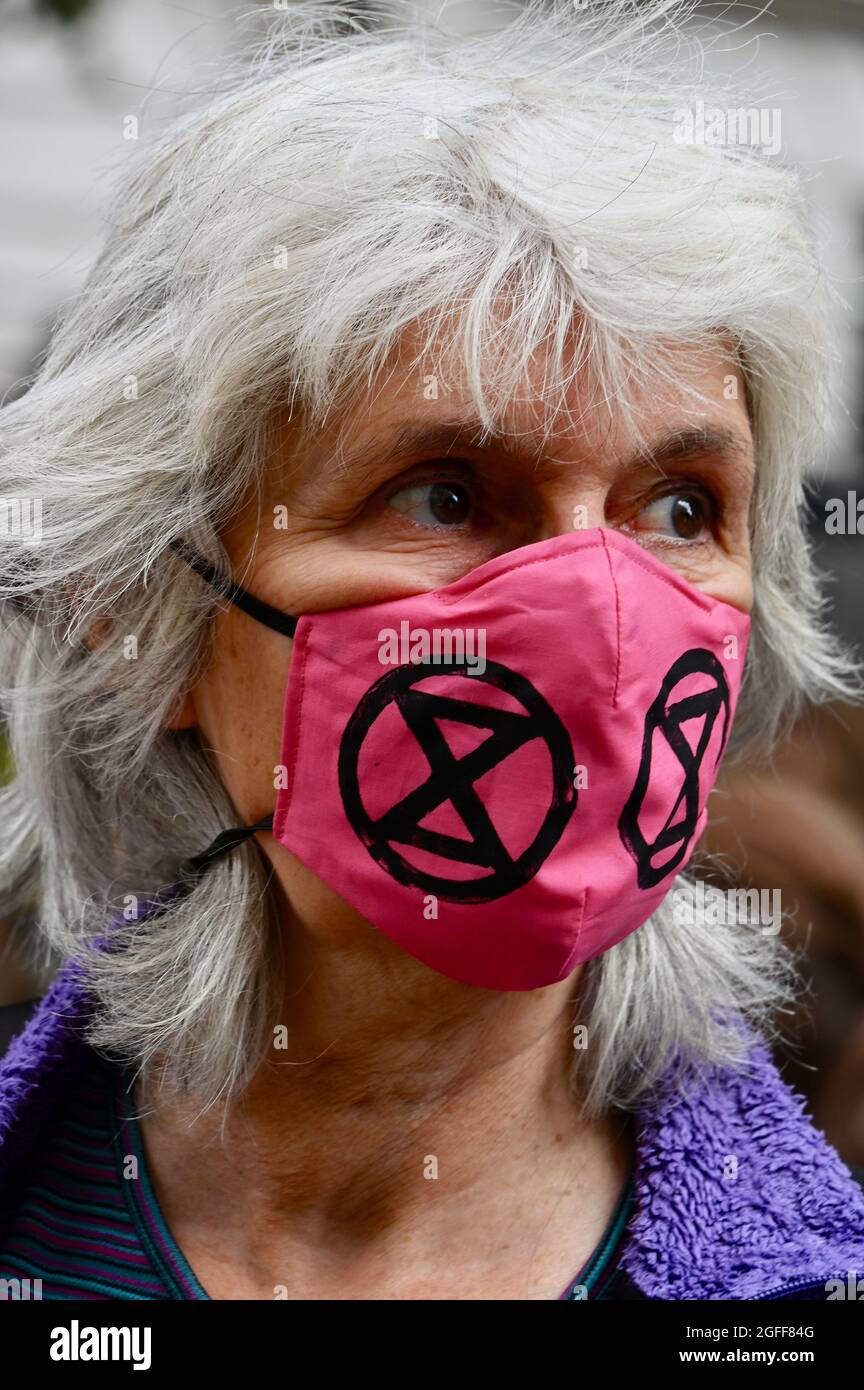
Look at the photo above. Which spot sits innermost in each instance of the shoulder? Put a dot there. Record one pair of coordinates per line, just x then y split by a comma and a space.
738, 1193
42, 1047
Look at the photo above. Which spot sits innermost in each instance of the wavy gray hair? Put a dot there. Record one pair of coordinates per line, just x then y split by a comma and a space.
268, 250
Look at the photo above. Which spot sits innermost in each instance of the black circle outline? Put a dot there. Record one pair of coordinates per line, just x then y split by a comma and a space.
561, 807
703, 661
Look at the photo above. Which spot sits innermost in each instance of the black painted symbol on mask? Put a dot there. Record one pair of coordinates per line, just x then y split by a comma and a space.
452, 779
667, 718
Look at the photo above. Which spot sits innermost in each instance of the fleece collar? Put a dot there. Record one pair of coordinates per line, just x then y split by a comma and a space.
737, 1195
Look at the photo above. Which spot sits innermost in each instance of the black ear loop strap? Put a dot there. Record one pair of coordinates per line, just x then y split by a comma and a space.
271, 617
225, 841
263, 612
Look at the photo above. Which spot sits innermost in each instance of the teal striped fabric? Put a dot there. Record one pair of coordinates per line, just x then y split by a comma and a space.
78, 1219
596, 1280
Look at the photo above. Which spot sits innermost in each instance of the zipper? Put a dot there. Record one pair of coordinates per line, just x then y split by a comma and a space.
795, 1287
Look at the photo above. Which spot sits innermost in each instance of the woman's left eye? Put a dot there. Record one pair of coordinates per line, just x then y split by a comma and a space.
439, 504
685, 515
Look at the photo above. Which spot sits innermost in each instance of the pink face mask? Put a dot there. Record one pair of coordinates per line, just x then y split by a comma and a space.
505, 775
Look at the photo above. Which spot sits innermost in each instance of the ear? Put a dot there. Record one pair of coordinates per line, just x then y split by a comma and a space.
185, 716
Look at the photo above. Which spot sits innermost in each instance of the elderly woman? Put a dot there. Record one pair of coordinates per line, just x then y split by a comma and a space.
414, 475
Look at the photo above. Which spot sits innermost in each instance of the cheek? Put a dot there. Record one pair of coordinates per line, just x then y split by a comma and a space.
724, 576
737, 588
735, 578
239, 704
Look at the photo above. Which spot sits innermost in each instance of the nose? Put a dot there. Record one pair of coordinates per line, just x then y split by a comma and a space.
577, 507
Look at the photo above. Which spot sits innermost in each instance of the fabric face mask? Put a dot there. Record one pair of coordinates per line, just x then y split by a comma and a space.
505, 775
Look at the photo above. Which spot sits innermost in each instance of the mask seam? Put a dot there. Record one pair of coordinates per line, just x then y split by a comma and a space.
616, 685
704, 601
680, 586
577, 938
520, 564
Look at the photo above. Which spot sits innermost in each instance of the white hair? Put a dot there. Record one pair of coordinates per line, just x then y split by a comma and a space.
268, 250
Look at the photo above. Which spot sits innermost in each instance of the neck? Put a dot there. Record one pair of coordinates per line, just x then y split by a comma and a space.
405, 1109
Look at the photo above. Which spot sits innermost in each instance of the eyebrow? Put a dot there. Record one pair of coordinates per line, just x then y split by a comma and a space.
443, 437
694, 440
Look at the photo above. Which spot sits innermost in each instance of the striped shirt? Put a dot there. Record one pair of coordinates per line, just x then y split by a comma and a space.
82, 1216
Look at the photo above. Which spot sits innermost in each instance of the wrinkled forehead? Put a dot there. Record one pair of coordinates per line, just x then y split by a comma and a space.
445, 380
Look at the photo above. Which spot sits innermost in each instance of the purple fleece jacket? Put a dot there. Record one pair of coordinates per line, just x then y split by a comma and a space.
737, 1195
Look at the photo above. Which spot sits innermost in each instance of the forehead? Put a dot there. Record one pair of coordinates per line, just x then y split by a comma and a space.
425, 397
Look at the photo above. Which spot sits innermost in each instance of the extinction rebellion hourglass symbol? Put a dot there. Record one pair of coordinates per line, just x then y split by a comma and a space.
452, 780
665, 717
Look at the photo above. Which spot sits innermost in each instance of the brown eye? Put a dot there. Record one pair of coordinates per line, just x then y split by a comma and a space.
449, 503
689, 515
686, 515
438, 504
